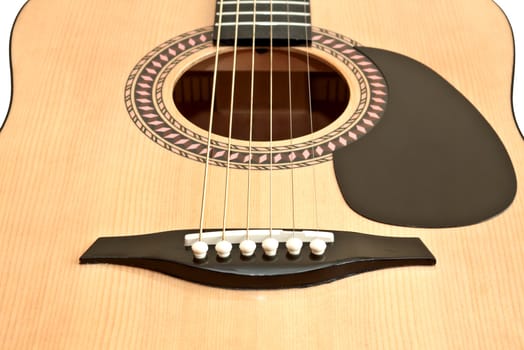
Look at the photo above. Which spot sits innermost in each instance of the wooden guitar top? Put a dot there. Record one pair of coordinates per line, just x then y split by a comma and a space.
76, 167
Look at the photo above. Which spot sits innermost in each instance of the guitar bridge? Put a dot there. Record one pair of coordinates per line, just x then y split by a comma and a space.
168, 252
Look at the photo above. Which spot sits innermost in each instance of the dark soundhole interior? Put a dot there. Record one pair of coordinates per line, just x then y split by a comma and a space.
329, 95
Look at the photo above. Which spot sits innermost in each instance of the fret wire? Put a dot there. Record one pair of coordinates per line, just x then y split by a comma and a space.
265, 7
264, 24
278, 2
266, 13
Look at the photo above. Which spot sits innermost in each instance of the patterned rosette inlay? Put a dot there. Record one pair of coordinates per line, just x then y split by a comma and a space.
147, 109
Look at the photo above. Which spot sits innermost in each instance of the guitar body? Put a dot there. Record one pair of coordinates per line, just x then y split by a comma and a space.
75, 167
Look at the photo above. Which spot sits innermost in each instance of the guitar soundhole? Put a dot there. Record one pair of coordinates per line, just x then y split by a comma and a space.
325, 89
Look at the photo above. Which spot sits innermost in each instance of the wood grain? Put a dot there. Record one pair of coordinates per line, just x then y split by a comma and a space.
75, 167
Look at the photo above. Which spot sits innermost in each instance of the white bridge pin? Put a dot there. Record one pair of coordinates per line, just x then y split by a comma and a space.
199, 249
223, 249
270, 246
294, 245
317, 246
247, 247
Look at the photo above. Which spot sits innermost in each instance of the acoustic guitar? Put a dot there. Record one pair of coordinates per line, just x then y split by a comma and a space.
261, 174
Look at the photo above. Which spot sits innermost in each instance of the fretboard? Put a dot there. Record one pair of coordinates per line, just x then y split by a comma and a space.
287, 22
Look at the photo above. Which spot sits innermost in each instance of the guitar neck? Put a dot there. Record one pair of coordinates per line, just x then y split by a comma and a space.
284, 23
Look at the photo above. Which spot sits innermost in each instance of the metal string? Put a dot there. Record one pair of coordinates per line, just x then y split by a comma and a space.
290, 118
311, 129
210, 129
231, 107
213, 101
251, 119
271, 120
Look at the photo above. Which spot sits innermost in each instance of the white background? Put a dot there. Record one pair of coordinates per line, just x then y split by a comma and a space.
10, 8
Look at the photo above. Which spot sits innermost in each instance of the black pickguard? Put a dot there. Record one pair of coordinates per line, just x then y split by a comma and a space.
433, 160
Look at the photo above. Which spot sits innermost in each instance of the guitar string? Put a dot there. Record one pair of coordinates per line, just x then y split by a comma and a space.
210, 129
290, 120
231, 108
251, 119
271, 119
311, 128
